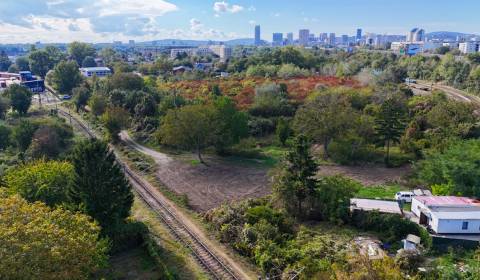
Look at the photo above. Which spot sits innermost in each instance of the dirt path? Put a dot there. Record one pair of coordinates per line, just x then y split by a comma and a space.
207, 187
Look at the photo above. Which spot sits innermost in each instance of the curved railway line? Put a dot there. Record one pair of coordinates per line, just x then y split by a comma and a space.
205, 256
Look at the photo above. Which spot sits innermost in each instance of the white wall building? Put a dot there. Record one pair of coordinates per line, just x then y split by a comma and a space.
448, 214
222, 51
469, 47
97, 71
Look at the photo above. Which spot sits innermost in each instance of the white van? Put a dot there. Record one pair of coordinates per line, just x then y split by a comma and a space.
404, 196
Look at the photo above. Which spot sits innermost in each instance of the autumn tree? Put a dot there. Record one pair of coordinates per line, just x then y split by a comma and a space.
390, 124
100, 188
37, 242
295, 181
41, 180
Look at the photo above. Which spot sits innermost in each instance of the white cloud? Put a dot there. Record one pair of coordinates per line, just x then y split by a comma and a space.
224, 7
147, 8
195, 24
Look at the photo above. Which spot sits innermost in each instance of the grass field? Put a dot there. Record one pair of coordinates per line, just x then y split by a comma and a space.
379, 192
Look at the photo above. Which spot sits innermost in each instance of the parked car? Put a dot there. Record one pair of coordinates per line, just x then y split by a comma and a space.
66, 97
404, 196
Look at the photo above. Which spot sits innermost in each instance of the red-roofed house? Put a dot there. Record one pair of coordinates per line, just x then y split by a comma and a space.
448, 214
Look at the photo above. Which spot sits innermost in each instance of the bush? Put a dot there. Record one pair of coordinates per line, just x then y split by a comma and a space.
391, 227
291, 71
128, 236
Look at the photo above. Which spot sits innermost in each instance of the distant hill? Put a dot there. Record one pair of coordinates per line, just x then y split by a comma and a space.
244, 42
448, 35
196, 43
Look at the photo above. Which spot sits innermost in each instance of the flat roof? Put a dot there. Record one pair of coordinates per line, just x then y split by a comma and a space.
95, 69
447, 201
373, 204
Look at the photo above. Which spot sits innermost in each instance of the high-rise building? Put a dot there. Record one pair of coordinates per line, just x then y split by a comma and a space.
290, 38
323, 38
258, 40
359, 35
345, 40
332, 39
277, 39
416, 35
303, 37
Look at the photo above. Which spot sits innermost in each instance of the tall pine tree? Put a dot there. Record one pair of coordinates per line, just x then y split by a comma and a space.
100, 188
295, 183
390, 124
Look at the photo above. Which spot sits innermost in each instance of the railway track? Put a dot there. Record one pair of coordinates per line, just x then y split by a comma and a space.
212, 264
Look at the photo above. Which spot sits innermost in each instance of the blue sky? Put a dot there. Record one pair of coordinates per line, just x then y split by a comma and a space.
108, 20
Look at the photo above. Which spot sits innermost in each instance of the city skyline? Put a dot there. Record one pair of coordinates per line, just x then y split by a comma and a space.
50, 21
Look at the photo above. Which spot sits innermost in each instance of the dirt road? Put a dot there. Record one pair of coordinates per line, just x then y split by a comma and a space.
207, 187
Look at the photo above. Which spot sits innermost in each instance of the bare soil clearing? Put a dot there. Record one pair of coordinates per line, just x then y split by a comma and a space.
210, 186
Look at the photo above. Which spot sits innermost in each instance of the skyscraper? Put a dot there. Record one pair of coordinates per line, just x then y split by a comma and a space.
345, 40
303, 37
258, 40
359, 35
332, 40
277, 39
290, 38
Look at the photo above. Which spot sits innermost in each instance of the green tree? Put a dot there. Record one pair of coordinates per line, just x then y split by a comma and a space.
324, 118
115, 119
5, 62
45, 181
283, 131
190, 127
80, 97
230, 124
22, 63
455, 171
40, 62
97, 104
20, 98
79, 51
4, 106
89, 61
100, 188
37, 242
390, 124
5, 132
126, 81
65, 76
22, 134
332, 201
295, 181
13, 69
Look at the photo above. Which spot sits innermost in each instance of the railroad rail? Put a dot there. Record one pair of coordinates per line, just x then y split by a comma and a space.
212, 264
